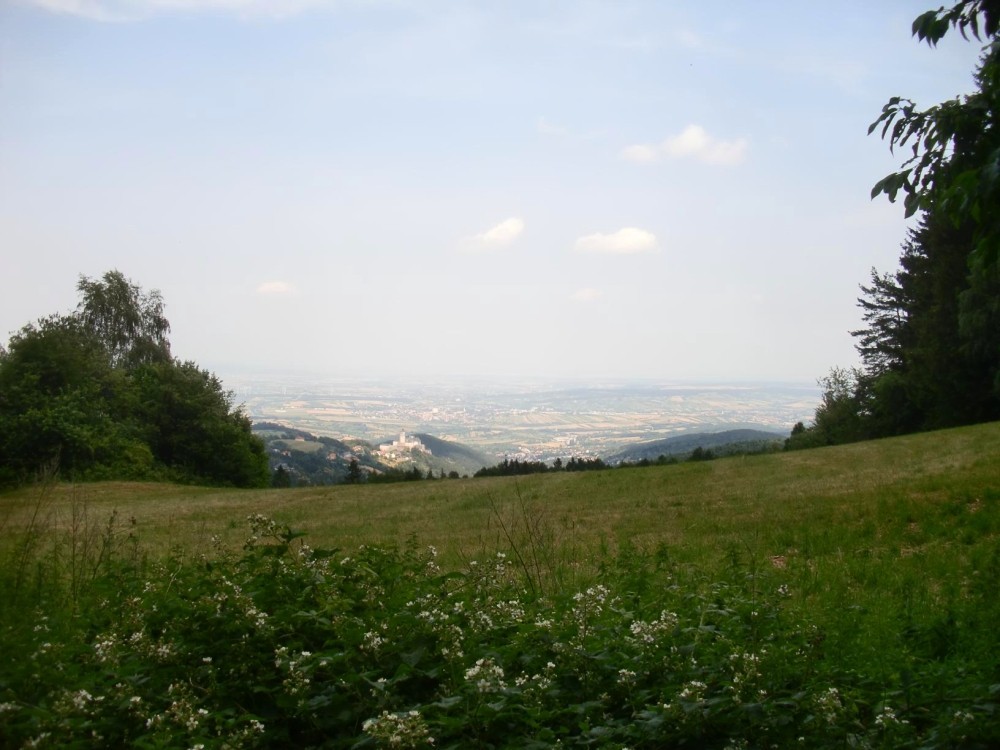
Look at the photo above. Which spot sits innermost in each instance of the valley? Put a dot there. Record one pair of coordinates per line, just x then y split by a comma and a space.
527, 420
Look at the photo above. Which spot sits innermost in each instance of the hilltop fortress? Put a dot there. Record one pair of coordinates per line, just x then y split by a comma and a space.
402, 445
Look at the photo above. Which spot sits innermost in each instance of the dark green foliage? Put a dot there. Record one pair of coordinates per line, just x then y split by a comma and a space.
58, 394
838, 418
354, 475
585, 464
280, 478
189, 423
284, 646
954, 167
95, 395
517, 467
931, 341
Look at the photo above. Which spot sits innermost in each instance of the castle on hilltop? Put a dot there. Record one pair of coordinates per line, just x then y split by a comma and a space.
403, 444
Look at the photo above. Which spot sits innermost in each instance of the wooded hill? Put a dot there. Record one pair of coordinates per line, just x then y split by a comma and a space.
724, 443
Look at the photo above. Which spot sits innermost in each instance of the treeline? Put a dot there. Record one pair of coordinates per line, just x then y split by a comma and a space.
96, 394
509, 468
930, 344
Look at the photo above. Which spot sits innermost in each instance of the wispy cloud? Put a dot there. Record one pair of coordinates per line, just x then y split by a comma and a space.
495, 237
275, 288
95, 10
134, 10
693, 142
626, 241
587, 294
545, 127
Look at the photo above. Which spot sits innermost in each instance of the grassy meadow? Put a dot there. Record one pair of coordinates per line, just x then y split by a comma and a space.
837, 597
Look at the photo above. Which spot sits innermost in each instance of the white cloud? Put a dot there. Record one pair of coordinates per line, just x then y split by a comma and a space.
626, 241
498, 236
693, 142
275, 288
586, 294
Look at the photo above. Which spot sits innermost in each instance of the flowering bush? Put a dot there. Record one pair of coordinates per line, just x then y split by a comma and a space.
282, 645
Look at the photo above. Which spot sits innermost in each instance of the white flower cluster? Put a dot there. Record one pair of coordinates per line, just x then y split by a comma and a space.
440, 616
372, 642
261, 527
589, 605
399, 730
626, 677
538, 682
649, 633
693, 692
746, 670
487, 676
829, 705
297, 680
181, 711
886, 717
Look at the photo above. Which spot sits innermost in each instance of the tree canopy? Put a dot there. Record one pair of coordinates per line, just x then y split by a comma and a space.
930, 346
96, 395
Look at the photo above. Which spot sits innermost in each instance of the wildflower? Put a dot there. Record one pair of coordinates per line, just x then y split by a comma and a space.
886, 717
693, 691
403, 730
626, 677
486, 675
828, 705
81, 699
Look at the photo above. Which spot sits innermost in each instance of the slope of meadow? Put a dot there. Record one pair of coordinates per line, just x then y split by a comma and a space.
835, 597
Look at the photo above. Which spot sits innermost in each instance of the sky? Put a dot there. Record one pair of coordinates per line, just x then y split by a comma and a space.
425, 189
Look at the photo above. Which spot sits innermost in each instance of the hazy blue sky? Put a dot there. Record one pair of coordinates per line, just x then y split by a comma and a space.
552, 188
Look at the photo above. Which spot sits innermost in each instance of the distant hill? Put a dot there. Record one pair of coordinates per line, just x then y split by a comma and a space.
445, 455
456, 452
317, 460
720, 443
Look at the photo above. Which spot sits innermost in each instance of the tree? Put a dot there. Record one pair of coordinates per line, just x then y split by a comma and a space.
839, 418
953, 172
95, 395
128, 321
354, 475
884, 308
281, 479
191, 425
57, 415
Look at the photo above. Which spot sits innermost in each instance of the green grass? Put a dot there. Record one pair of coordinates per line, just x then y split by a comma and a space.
844, 596
901, 498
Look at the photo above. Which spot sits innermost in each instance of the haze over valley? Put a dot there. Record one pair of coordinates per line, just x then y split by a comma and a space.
527, 419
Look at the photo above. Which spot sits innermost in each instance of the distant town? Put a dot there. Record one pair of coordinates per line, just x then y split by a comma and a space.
534, 421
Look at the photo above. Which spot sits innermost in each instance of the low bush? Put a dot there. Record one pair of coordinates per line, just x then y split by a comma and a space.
280, 645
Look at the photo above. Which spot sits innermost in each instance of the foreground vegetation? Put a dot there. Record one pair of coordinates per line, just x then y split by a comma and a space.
841, 597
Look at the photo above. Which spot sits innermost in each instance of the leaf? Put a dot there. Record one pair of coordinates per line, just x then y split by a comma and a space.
413, 657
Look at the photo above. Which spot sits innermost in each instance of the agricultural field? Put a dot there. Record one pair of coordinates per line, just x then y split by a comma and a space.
836, 597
